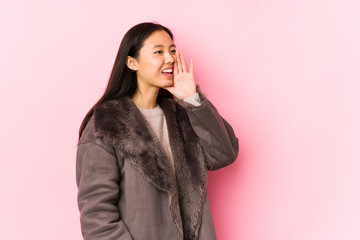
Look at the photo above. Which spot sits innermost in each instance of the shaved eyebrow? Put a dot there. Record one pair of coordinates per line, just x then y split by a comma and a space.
159, 45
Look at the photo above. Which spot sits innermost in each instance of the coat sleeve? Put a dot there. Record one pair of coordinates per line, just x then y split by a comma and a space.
216, 135
97, 177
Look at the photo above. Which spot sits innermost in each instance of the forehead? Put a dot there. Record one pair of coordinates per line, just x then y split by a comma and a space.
159, 37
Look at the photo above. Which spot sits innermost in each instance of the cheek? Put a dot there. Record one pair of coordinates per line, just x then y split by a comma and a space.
151, 65
156, 64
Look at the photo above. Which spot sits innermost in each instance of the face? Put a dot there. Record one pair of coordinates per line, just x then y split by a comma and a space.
154, 65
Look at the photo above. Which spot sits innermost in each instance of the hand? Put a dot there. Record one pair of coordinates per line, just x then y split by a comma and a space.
184, 82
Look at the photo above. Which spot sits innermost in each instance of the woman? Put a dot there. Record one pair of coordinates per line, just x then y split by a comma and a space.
143, 156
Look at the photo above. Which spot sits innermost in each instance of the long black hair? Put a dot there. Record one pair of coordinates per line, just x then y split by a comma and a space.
123, 81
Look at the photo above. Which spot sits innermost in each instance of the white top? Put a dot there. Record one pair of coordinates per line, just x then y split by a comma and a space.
156, 119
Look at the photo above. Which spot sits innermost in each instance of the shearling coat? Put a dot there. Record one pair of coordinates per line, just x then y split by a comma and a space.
126, 189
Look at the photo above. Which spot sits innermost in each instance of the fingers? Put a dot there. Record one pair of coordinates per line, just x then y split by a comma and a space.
180, 65
176, 70
183, 64
191, 70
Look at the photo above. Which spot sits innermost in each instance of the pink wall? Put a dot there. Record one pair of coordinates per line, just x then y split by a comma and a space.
285, 74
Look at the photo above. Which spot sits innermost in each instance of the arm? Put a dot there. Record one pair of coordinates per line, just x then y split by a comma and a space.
216, 135
97, 177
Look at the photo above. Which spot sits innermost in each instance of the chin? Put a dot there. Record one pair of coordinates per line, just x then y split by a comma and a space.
166, 83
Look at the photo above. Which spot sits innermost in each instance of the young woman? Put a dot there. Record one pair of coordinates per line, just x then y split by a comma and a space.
145, 147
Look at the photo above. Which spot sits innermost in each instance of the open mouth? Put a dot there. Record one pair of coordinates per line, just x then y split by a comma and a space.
168, 73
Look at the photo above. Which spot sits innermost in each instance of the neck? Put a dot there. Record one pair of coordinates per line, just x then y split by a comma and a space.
145, 99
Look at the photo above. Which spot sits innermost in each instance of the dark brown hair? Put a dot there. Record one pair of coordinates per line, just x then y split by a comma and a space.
123, 81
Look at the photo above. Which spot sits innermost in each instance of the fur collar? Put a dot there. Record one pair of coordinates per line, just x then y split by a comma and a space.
122, 124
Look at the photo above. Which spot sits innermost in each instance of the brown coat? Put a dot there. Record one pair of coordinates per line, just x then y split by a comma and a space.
125, 186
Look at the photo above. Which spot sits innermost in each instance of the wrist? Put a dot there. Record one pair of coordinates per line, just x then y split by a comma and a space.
193, 99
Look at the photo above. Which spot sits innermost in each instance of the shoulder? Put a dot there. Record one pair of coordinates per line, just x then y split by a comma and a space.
89, 138
100, 125
111, 116
101, 115
88, 132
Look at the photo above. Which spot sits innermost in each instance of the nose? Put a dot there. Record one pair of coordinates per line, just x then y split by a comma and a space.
169, 58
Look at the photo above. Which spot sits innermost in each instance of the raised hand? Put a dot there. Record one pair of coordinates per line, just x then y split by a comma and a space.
184, 82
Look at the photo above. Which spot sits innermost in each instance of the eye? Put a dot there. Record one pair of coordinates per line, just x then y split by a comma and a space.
173, 51
159, 52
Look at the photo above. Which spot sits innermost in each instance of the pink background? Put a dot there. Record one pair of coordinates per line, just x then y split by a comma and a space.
285, 74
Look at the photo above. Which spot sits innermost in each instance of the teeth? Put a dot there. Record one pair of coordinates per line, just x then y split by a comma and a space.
168, 70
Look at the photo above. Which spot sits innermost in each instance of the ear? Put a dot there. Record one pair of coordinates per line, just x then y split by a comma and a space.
131, 63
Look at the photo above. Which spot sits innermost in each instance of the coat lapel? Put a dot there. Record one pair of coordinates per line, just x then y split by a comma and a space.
122, 124
190, 167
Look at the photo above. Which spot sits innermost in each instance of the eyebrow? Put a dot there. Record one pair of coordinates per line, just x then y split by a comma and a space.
159, 45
